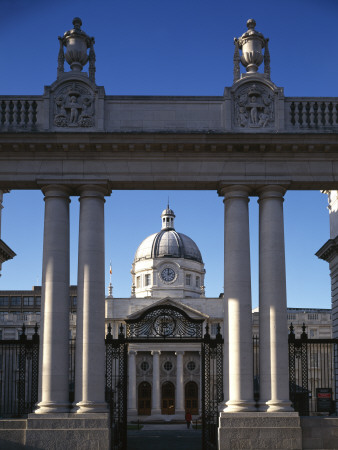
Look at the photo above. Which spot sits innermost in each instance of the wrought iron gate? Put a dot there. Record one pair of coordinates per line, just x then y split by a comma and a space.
163, 324
313, 374
19, 373
116, 387
212, 387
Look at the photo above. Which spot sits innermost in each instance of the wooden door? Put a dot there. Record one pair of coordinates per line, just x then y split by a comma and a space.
168, 398
144, 399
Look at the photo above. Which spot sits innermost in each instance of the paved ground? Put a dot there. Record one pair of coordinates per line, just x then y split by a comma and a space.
164, 437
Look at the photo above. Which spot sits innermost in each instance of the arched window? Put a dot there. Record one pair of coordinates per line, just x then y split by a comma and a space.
168, 398
191, 397
144, 399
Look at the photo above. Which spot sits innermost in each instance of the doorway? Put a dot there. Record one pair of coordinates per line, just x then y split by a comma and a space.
168, 398
191, 397
144, 399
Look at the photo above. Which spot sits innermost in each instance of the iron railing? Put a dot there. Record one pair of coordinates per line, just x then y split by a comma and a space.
19, 371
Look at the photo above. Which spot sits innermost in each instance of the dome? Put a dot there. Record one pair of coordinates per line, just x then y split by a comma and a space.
168, 243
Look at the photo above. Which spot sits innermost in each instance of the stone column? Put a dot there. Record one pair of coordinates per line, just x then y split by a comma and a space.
132, 394
273, 339
237, 295
90, 346
54, 352
156, 394
179, 406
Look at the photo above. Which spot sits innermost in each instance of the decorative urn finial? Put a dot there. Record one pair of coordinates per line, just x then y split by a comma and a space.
252, 43
77, 42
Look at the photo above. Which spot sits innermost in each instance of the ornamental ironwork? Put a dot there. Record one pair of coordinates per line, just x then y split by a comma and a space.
166, 322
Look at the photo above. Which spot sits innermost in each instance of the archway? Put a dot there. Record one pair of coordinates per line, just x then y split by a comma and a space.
168, 398
144, 399
191, 397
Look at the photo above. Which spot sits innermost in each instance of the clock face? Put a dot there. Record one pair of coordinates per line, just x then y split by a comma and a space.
168, 274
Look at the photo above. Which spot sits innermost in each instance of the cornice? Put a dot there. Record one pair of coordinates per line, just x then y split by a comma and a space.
313, 145
329, 250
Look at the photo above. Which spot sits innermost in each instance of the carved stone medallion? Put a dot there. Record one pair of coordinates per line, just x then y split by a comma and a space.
74, 106
254, 107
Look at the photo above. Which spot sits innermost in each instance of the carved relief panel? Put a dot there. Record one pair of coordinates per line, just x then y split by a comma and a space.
74, 106
253, 107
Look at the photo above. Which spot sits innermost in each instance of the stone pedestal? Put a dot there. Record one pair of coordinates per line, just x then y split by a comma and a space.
253, 431
68, 431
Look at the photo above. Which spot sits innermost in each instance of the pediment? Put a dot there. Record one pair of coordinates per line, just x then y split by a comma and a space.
168, 301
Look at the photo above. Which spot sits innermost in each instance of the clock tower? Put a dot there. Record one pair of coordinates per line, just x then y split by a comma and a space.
168, 264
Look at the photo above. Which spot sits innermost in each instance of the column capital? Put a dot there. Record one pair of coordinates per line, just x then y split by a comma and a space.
93, 190
234, 191
181, 353
56, 190
132, 352
155, 352
271, 191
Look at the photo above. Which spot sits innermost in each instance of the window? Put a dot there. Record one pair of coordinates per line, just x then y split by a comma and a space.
37, 301
198, 283
312, 316
28, 301
4, 301
138, 282
74, 301
144, 366
191, 366
167, 366
147, 279
292, 317
15, 301
312, 334
188, 279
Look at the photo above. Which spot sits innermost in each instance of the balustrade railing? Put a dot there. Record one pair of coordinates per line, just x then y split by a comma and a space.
311, 113
18, 112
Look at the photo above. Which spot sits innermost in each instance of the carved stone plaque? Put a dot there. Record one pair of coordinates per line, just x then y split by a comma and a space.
254, 107
74, 106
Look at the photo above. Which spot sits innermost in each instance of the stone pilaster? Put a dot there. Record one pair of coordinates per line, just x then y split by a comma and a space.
54, 352
273, 341
90, 347
237, 298
132, 394
156, 395
179, 401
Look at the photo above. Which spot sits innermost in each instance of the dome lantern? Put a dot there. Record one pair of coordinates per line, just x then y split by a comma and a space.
168, 217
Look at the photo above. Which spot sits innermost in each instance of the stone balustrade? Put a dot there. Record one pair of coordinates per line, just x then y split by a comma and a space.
312, 114
19, 112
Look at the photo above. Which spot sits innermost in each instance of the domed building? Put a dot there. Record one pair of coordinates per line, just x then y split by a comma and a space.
168, 263
167, 272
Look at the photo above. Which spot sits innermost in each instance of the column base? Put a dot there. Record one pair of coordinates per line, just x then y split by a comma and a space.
275, 406
156, 411
90, 407
52, 408
239, 406
132, 412
68, 431
260, 431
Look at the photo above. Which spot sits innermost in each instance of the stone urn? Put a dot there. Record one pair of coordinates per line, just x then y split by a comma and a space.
251, 43
76, 42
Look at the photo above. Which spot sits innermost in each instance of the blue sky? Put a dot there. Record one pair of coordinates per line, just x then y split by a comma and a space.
172, 47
